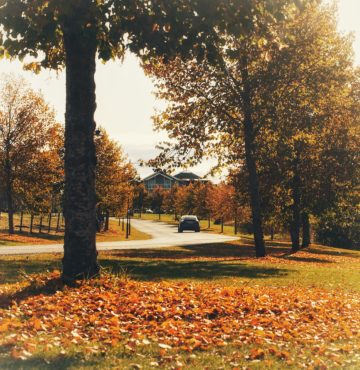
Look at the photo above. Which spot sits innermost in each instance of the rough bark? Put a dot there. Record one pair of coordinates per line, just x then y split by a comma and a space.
254, 190
306, 237
80, 255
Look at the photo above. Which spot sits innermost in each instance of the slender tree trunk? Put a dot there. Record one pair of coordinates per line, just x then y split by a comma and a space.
306, 237
31, 223
9, 196
235, 224
21, 220
58, 223
80, 255
254, 189
295, 222
40, 224
49, 223
107, 220
127, 225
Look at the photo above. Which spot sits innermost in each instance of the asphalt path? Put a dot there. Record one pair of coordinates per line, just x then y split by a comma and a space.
163, 235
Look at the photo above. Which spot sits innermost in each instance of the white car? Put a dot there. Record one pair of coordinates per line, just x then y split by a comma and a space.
149, 210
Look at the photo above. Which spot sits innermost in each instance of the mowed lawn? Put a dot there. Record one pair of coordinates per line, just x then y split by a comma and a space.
196, 307
116, 232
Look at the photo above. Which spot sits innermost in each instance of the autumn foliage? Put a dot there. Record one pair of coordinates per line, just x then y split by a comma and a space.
110, 311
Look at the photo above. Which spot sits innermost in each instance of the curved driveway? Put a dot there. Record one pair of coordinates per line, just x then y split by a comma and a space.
163, 235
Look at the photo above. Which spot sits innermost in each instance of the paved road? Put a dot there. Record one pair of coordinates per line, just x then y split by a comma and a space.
163, 235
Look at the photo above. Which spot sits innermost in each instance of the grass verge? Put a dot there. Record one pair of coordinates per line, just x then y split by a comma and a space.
115, 233
213, 306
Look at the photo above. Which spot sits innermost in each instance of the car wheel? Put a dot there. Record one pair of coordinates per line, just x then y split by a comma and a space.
180, 231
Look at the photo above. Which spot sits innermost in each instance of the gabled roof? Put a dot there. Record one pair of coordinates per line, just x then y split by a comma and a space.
161, 174
187, 176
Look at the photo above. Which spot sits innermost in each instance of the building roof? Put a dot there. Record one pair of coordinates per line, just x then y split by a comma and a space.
187, 176
161, 174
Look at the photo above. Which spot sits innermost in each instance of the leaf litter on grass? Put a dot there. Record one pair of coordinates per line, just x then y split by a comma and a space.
312, 327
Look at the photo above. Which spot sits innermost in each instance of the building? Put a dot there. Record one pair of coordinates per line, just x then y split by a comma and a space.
159, 179
185, 178
167, 181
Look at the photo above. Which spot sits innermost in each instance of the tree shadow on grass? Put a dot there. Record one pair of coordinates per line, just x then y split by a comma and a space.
201, 270
296, 258
227, 251
243, 251
12, 268
344, 252
58, 363
211, 250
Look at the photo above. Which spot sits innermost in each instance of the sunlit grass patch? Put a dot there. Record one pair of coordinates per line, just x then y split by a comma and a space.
115, 233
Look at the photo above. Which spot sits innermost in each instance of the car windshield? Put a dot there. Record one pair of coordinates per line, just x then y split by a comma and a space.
189, 218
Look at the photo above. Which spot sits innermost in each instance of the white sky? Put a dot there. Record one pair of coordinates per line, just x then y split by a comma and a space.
125, 102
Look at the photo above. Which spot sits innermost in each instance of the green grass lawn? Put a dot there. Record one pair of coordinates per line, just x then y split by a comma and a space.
115, 233
231, 265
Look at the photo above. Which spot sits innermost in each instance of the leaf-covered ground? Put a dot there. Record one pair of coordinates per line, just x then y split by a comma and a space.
115, 233
263, 326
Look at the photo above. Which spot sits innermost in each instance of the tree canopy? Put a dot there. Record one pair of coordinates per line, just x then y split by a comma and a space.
268, 109
30, 140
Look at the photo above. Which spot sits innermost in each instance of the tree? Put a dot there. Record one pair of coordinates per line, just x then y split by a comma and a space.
114, 175
140, 196
169, 202
40, 183
156, 199
223, 203
184, 200
192, 199
312, 109
216, 107
63, 33
28, 144
263, 107
201, 192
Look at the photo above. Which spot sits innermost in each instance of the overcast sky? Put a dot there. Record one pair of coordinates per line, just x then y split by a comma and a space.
125, 102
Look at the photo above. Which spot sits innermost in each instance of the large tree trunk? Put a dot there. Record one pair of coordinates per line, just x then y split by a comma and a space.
254, 193
80, 255
295, 223
251, 167
306, 237
9, 195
